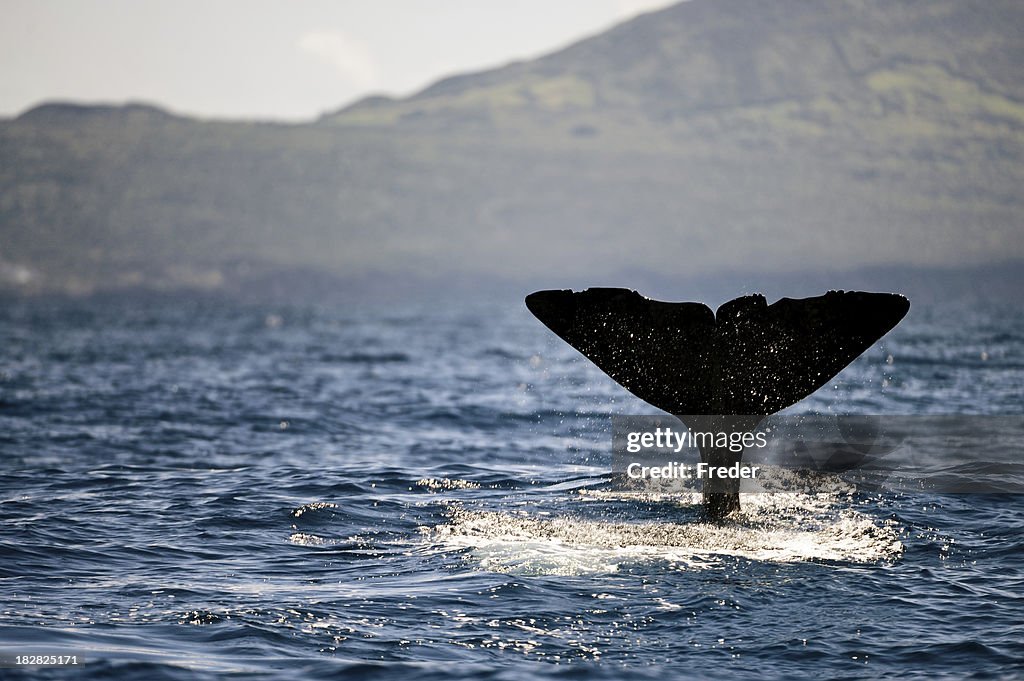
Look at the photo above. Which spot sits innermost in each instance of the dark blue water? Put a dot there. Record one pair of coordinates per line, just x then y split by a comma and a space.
200, 488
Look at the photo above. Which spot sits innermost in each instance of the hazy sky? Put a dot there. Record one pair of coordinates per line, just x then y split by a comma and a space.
272, 58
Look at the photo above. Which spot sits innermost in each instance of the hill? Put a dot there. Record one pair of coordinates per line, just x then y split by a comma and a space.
708, 138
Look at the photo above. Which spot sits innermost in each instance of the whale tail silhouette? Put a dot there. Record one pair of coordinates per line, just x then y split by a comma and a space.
749, 359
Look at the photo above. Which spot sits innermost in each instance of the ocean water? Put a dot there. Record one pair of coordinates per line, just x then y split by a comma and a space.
196, 488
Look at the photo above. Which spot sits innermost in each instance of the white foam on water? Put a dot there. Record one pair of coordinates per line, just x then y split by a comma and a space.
781, 527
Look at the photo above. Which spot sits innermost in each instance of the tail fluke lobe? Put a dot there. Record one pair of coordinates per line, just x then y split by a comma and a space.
660, 352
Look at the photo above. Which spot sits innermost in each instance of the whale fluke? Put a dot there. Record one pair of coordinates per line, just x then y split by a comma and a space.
747, 359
